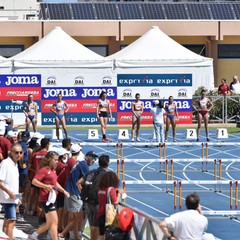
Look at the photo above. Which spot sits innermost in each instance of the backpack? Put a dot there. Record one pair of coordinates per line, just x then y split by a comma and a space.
89, 192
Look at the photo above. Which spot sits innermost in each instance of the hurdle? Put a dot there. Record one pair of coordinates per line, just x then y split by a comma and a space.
119, 151
178, 188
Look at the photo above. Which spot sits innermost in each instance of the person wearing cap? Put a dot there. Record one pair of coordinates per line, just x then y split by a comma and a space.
5, 144
12, 136
74, 203
92, 207
204, 106
9, 187
158, 113
30, 110
60, 108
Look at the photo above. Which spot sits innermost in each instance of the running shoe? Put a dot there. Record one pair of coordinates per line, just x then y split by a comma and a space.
174, 140
138, 139
208, 140
166, 140
132, 139
104, 140
197, 140
107, 139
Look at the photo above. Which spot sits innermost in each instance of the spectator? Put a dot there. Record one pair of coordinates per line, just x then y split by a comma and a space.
89, 185
74, 203
5, 144
46, 180
234, 85
9, 187
103, 105
107, 180
189, 224
137, 111
158, 113
223, 89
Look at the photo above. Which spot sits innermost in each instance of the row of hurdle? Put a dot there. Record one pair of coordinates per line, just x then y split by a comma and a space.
123, 134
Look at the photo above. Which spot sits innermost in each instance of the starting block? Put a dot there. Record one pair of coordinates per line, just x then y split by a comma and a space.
54, 135
191, 134
93, 134
222, 133
123, 134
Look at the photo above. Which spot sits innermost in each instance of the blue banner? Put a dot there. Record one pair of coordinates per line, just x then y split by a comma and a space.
76, 119
15, 106
20, 80
94, 92
183, 105
144, 80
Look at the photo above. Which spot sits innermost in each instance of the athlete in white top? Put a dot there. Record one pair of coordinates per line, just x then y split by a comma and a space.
137, 110
30, 109
103, 107
60, 107
187, 225
202, 110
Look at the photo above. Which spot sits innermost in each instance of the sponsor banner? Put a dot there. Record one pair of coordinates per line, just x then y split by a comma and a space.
94, 92
126, 118
15, 106
183, 105
78, 92
154, 92
78, 80
76, 119
19, 93
144, 80
20, 80
78, 105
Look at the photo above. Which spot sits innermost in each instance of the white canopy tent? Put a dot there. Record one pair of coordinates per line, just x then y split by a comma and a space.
58, 49
157, 53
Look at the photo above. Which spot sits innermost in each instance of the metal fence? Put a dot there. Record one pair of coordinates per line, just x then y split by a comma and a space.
226, 109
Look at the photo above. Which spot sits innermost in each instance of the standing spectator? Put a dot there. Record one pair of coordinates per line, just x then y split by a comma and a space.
107, 180
223, 89
203, 111
5, 144
189, 224
158, 113
172, 115
234, 85
88, 185
74, 203
9, 187
46, 180
34, 164
137, 111
30, 109
60, 108
103, 105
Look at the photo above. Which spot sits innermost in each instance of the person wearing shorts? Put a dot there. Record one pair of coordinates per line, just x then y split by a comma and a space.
46, 180
9, 187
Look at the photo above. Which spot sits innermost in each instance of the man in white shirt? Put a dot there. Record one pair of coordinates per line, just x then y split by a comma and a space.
9, 187
189, 224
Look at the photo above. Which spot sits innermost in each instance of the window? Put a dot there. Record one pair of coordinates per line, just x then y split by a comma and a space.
10, 50
199, 49
100, 49
228, 50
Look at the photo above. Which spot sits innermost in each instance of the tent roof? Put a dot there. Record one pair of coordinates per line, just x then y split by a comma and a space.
155, 47
57, 48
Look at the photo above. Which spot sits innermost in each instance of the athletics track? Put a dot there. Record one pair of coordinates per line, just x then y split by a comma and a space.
159, 178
